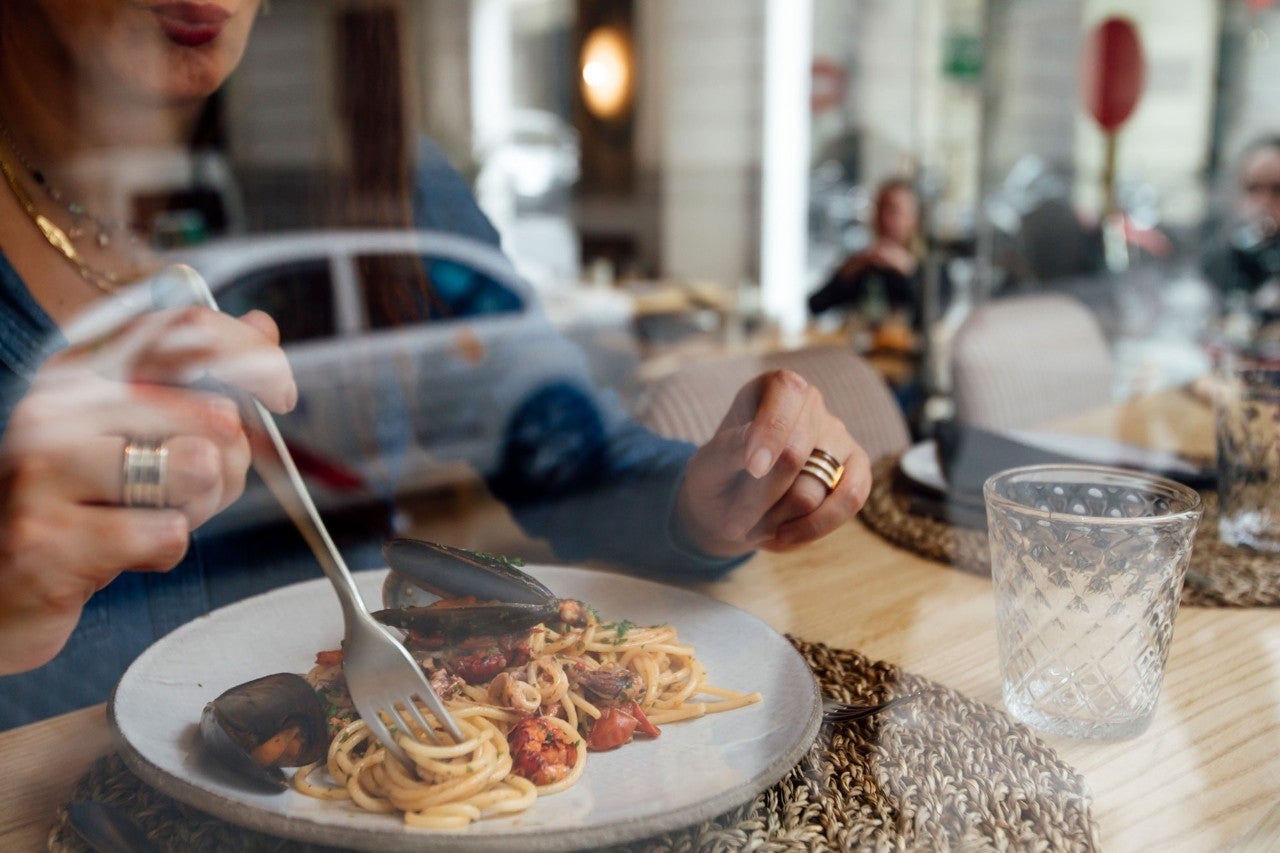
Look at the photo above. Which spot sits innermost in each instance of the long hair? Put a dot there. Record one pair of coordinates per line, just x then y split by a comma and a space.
377, 186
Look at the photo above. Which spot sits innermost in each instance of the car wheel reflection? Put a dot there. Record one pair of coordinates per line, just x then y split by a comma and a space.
554, 443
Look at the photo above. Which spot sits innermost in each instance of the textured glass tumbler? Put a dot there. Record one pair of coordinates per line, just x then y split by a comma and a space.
1087, 566
1247, 420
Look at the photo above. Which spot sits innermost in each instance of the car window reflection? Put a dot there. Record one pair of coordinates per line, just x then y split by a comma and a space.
298, 296
394, 295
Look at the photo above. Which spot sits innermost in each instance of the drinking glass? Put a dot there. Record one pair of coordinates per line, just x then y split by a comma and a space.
1247, 427
1087, 564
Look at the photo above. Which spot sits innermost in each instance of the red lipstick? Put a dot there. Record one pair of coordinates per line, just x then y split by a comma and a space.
190, 24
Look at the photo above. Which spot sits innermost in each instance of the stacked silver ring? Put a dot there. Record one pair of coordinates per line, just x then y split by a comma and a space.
144, 471
825, 467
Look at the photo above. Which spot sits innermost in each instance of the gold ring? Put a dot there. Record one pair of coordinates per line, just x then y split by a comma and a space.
825, 468
145, 461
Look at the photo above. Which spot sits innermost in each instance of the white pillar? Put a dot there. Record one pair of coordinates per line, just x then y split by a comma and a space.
490, 67
788, 55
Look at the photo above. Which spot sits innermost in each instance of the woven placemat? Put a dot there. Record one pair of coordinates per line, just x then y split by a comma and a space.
942, 772
1218, 575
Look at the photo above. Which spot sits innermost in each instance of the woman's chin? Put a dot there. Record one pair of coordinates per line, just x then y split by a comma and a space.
174, 73
156, 62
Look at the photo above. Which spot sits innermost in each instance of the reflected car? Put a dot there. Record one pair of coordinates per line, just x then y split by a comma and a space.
402, 386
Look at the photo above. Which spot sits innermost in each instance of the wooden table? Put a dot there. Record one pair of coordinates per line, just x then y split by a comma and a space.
1203, 777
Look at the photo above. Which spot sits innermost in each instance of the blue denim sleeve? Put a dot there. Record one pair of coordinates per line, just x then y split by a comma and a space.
612, 505
27, 338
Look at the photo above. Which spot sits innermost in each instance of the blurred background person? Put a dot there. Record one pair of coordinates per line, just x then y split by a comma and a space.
881, 283
1245, 266
880, 287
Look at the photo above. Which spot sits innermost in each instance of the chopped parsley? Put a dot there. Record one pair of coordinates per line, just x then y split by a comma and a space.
621, 630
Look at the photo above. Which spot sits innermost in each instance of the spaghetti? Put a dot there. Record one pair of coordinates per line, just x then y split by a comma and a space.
527, 729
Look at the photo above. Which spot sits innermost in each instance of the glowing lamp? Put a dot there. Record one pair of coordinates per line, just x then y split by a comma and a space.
606, 72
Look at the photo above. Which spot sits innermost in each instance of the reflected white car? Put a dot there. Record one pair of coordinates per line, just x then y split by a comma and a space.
480, 378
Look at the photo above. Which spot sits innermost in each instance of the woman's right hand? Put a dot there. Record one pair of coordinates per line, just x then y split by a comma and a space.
64, 532
889, 255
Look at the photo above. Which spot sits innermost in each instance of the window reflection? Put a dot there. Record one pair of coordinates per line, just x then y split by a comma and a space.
299, 296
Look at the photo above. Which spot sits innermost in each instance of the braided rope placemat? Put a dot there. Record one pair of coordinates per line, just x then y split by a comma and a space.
1219, 575
942, 772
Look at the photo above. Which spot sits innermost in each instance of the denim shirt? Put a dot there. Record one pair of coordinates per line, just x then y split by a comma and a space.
627, 494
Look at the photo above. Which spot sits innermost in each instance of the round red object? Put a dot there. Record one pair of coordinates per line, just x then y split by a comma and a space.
1114, 72
828, 85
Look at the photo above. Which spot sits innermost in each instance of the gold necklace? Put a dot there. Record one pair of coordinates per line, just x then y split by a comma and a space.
80, 215
105, 281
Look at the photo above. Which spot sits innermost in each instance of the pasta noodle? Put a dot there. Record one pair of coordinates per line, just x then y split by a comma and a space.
558, 689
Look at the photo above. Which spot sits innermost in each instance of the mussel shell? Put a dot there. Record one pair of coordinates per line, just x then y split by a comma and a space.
457, 573
248, 715
470, 620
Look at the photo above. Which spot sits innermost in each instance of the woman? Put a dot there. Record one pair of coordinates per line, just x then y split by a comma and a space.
882, 281
113, 463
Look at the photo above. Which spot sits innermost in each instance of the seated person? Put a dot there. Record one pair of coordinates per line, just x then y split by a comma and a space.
113, 461
882, 283
1245, 268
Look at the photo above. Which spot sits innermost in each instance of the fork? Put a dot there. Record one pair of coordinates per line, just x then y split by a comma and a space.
382, 677
835, 711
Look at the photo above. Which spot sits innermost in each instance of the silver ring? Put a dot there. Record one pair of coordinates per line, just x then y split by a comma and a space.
145, 460
825, 467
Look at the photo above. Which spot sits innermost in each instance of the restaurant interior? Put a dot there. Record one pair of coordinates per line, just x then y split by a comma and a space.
677, 181
702, 169
690, 193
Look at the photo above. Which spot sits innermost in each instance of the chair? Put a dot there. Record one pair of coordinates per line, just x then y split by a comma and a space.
690, 403
1023, 360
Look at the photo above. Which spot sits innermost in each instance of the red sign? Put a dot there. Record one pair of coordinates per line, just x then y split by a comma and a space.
828, 85
1114, 72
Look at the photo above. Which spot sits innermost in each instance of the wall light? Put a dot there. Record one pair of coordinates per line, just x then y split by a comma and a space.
606, 72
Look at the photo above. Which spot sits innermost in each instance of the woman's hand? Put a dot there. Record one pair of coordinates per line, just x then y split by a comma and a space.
64, 533
744, 488
889, 255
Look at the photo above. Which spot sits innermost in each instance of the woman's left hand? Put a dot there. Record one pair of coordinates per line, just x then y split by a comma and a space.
744, 488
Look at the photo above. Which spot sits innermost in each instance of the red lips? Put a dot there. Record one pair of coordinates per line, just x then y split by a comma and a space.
191, 24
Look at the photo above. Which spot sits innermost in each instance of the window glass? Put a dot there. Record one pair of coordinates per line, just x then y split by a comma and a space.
401, 289
298, 296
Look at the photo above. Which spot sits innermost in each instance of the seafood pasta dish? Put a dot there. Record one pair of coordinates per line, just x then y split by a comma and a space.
556, 694
531, 699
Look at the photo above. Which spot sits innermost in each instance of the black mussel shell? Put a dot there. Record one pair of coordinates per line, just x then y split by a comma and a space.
506, 600
457, 573
262, 725
470, 620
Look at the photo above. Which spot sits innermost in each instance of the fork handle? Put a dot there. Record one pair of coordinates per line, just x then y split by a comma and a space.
276, 467
176, 285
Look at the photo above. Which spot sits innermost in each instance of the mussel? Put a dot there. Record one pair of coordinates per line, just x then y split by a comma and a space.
480, 594
258, 727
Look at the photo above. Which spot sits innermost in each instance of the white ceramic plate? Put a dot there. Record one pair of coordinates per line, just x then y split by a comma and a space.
694, 771
920, 463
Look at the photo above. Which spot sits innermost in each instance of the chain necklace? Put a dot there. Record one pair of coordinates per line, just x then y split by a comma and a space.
103, 280
81, 216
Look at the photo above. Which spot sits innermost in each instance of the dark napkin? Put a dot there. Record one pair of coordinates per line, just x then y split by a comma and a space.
949, 507
969, 455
